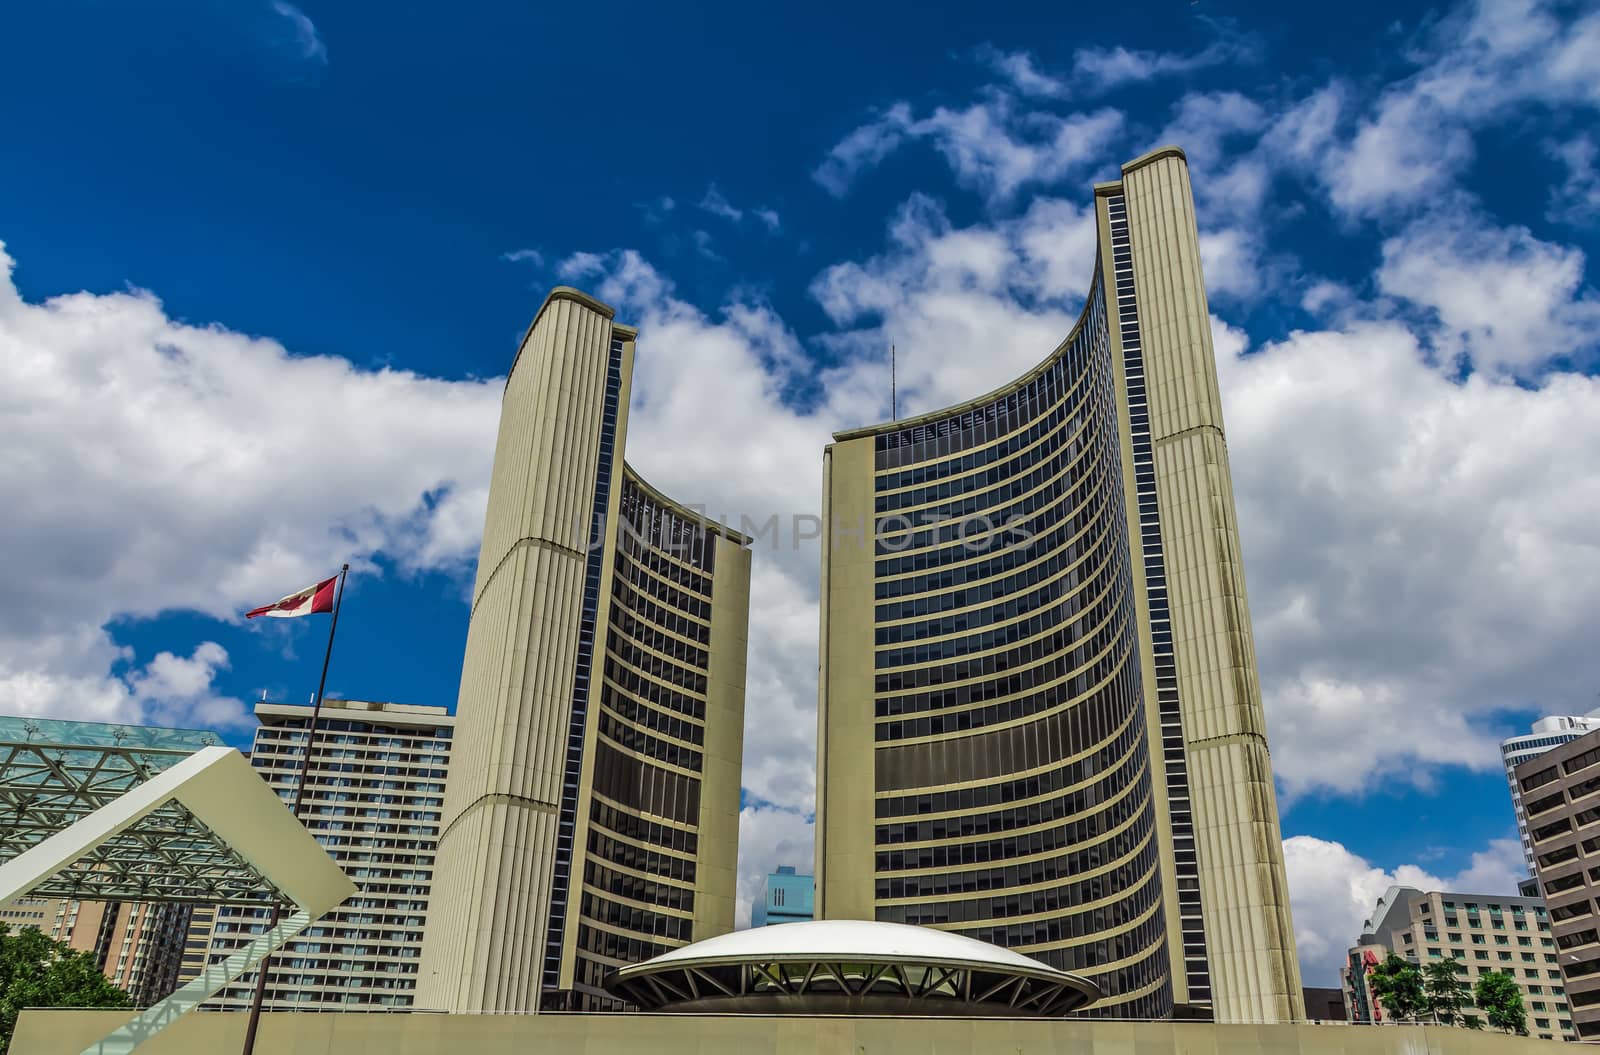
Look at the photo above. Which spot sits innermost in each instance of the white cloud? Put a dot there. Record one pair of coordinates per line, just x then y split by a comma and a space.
306, 37
1503, 298
989, 145
1332, 892
717, 205
1018, 68
159, 466
1107, 68
1481, 66
1577, 199
1420, 549
862, 149
524, 256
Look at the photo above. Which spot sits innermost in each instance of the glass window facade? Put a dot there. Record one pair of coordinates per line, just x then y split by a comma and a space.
1014, 798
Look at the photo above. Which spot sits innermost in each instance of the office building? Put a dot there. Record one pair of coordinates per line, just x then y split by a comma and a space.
374, 792
1561, 792
592, 814
785, 898
1037, 661
1481, 932
1547, 733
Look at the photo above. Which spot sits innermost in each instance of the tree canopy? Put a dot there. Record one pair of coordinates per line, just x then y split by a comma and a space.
36, 971
1447, 991
1399, 988
1501, 1001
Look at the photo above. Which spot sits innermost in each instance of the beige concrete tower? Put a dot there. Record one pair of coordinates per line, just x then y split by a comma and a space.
1036, 656
591, 813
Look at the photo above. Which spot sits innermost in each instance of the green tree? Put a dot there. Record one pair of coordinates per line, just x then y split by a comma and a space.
1447, 992
36, 971
1398, 986
1501, 1001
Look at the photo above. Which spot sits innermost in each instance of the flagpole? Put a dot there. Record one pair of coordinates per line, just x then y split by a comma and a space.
299, 797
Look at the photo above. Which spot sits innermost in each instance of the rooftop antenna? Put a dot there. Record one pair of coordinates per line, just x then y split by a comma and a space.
894, 396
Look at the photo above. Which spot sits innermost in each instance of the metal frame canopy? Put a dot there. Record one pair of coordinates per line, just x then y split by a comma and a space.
850, 966
116, 813
54, 773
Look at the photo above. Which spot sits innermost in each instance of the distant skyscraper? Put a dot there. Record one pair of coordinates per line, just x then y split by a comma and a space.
375, 791
1038, 667
1548, 733
592, 814
785, 898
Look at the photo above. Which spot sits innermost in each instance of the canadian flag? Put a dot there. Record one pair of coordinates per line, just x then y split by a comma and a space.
310, 601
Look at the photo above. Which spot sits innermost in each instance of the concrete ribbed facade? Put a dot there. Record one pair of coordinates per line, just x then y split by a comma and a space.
1037, 661
524, 924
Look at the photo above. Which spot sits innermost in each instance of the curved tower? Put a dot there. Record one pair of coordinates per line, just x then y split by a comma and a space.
591, 812
1036, 657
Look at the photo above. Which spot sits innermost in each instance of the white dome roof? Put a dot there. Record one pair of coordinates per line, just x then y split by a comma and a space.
851, 939
850, 966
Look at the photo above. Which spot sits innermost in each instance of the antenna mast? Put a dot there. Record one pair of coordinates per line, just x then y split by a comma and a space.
894, 396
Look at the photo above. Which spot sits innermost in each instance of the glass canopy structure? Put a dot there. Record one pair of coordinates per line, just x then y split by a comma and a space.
55, 773
130, 813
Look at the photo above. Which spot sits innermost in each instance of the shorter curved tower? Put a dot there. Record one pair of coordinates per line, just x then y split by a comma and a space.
591, 815
1036, 657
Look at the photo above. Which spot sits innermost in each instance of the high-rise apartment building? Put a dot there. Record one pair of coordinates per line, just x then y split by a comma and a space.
1561, 791
1483, 933
592, 814
374, 792
1037, 662
1547, 733
137, 945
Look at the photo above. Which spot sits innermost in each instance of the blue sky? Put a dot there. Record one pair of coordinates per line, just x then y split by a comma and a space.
268, 262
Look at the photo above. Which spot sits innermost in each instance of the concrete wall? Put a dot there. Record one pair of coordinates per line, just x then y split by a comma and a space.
71, 1032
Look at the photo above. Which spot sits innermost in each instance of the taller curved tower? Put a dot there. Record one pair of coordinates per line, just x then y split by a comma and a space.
1037, 663
591, 815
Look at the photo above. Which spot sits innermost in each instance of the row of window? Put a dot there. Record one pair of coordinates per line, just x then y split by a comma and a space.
651, 891
998, 460
1046, 658
642, 829
1057, 897
670, 618
1034, 813
985, 614
947, 759
981, 425
639, 859
1068, 460
1024, 528
1078, 603
1031, 873
1082, 832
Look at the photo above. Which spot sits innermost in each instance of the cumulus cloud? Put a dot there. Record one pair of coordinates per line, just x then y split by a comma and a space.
160, 466
1420, 548
1478, 67
1503, 298
1333, 891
